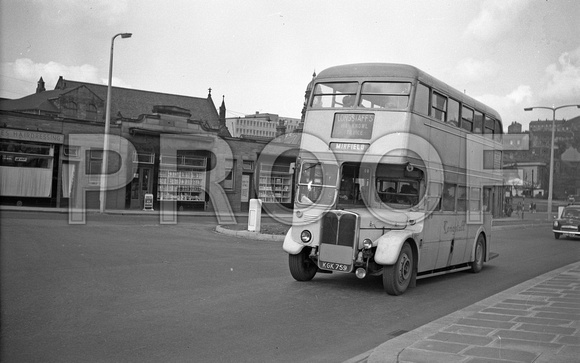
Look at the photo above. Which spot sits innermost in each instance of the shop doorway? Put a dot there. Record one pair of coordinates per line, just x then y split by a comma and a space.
142, 184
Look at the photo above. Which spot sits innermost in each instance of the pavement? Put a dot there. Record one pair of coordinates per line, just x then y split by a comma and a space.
536, 321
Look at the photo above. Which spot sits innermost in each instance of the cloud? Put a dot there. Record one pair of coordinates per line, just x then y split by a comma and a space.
471, 70
563, 78
19, 78
510, 106
495, 18
520, 95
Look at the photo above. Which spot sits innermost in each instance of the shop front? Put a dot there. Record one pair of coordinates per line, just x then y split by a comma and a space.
27, 166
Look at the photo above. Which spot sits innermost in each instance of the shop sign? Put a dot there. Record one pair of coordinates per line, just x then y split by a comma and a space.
36, 136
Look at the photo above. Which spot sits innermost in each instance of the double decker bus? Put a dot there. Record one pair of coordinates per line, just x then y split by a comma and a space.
397, 175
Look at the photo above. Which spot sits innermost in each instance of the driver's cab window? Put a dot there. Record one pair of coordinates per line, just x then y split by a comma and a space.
316, 183
354, 182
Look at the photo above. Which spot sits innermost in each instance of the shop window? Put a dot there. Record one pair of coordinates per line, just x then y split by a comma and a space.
248, 165
230, 171
25, 154
144, 158
71, 151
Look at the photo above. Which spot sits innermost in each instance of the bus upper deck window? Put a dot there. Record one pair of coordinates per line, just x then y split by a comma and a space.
334, 94
388, 95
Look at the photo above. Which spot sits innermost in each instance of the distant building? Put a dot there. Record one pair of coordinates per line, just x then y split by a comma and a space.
515, 128
530, 152
261, 125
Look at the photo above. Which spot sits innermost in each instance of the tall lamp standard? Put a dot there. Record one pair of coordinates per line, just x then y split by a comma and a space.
104, 166
551, 182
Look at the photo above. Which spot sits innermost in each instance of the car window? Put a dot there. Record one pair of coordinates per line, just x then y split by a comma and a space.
571, 213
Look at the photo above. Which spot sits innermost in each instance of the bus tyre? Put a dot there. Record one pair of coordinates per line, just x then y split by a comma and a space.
396, 278
302, 268
557, 235
477, 263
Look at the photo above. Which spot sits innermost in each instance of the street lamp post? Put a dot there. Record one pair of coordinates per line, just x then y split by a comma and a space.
551, 182
105, 164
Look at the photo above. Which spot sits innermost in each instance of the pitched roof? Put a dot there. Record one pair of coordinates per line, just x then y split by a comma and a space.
132, 103
36, 101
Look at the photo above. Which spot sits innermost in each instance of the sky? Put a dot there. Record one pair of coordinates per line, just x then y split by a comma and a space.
260, 55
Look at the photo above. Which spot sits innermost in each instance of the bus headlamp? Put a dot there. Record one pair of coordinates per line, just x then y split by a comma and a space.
305, 236
367, 244
556, 224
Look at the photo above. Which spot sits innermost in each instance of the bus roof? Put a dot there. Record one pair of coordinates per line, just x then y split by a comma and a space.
396, 70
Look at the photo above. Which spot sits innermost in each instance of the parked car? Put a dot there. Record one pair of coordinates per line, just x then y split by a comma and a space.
568, 223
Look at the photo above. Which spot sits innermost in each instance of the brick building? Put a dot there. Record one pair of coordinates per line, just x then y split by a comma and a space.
178, 148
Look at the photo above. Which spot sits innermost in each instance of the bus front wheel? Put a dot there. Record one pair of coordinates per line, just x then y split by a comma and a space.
397, 277
477, 263
302, 268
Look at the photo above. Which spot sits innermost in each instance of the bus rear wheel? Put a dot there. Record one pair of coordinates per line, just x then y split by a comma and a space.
302, 268
477, 264
397, 277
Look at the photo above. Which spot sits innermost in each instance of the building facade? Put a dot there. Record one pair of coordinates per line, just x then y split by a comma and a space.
530, 152
175, 149
261, 125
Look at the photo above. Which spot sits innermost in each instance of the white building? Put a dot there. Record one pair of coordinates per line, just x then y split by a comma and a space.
261, 125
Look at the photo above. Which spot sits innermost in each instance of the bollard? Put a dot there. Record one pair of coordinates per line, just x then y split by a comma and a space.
255, 215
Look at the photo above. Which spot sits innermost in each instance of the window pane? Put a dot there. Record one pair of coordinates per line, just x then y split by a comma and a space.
422, 99
448, 197
391, 95
335, 88
453, 112
467, 118
478, 123
439, 106
391, 88
475, 199
461, 199
332, 94
498, 130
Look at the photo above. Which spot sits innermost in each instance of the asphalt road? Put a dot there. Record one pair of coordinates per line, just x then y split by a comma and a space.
124, 288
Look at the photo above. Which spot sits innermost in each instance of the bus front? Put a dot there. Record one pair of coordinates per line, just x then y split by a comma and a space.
361, 179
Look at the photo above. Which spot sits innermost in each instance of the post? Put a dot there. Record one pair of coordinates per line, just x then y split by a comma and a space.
105, 163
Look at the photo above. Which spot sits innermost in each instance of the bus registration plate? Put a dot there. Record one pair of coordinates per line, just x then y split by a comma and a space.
334, 266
